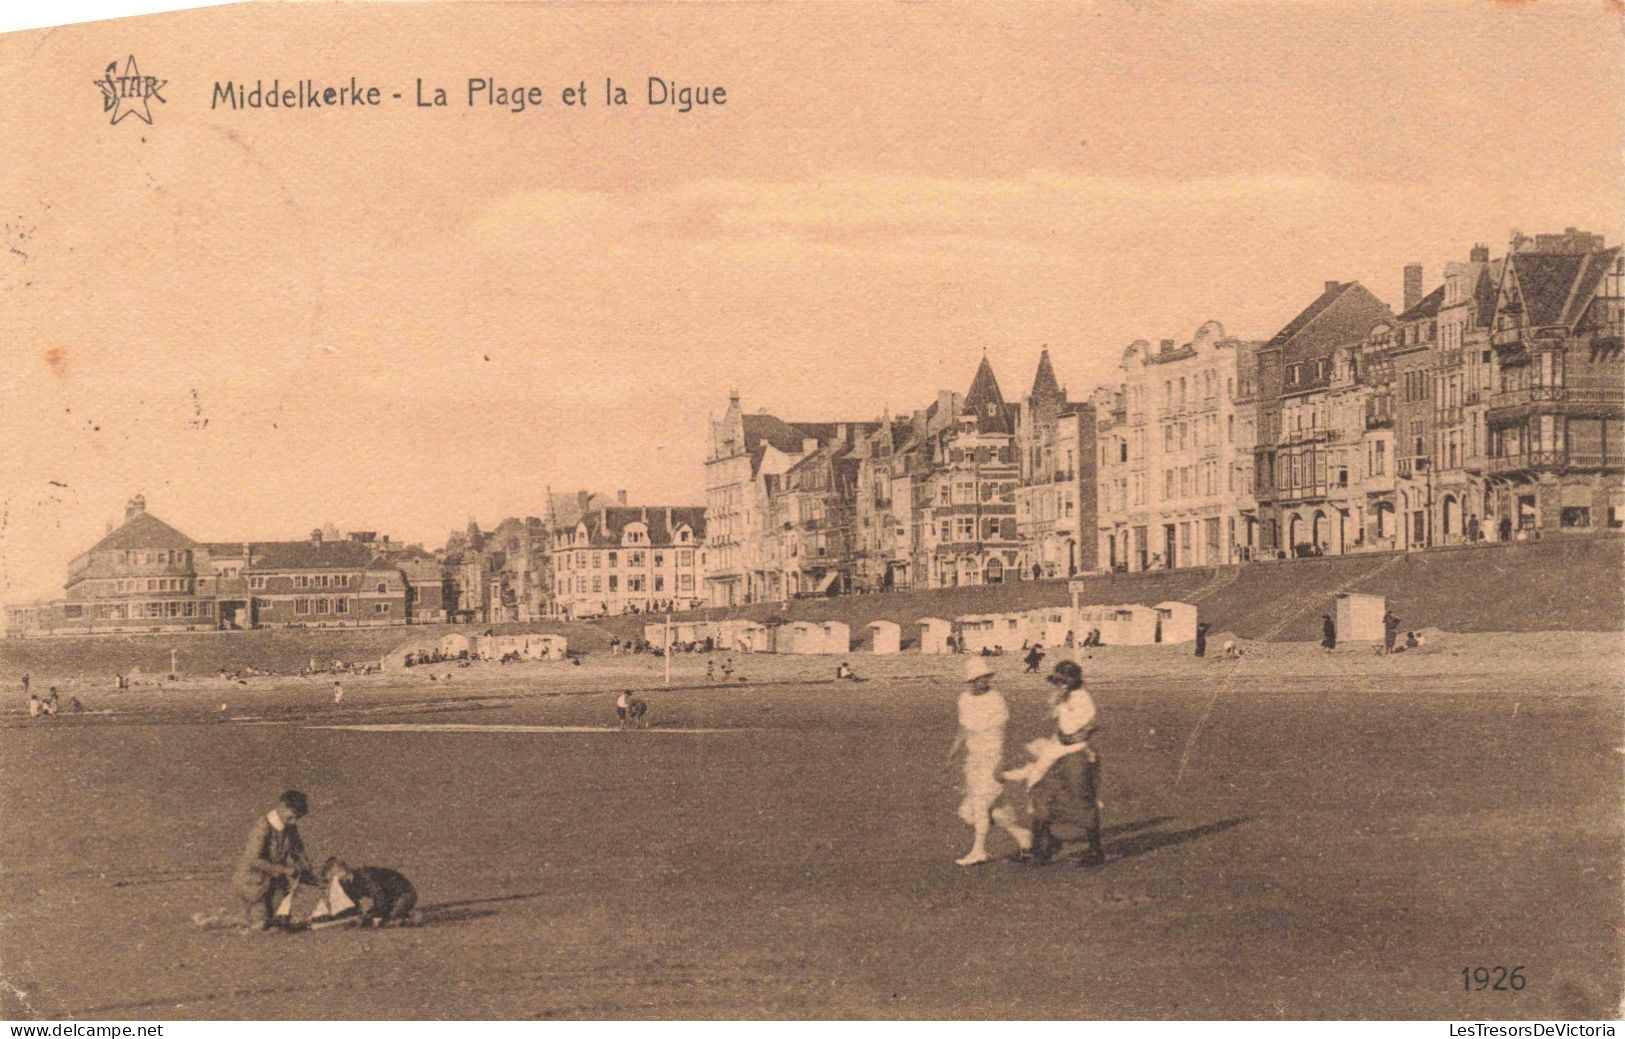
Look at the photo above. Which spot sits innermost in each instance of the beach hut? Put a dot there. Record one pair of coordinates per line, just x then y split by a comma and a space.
884, 637
1050, 627
1177, 622
1359, 617
799, 637
1119, 625
934, 632
553, 647
979, 631
395, 659
750, 637
837, 637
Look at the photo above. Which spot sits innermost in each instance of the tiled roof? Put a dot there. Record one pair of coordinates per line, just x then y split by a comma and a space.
986, 402
608, 526
1597, 265
1428, 307
1310, 312
760, 429
310, 555
143, 530
1546, 281
1046, 389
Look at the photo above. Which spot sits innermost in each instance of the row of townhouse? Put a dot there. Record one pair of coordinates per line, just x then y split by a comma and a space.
145, 575
969, 490
1488, 409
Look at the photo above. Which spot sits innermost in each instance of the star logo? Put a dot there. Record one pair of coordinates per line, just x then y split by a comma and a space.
131, 93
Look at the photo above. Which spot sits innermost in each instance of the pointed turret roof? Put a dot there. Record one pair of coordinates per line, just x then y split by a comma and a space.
1045, 387
986, 402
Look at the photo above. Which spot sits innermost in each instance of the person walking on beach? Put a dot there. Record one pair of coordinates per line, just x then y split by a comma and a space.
1390, 631
1063, 779
982, 717
1328, 633
1201, 639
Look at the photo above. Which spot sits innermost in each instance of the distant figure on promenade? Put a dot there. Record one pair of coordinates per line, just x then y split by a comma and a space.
1328, 633
1390, 631
1201, 639
982, 717
1034, 657
272, 863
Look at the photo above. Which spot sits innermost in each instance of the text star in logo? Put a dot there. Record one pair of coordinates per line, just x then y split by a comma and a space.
131, 93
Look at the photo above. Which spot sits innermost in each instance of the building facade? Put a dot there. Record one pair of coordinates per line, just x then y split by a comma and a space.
1311, 422
1168, 490
1555, 418
630, 559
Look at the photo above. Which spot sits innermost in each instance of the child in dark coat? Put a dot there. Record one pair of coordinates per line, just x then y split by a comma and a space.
380, 896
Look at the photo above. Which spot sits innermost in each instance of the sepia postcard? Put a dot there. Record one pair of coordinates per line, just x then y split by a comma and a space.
815, 511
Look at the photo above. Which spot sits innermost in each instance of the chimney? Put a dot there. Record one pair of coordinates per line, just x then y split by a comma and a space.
620, 497
134, 507
668, 521
1413, 285
1480, 254
316, 536
1331, 286
1167, 346
583, 501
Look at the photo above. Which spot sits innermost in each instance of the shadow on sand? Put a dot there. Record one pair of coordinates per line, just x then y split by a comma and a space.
1141, 842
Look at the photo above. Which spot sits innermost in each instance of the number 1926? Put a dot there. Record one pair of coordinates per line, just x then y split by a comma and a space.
1492, 979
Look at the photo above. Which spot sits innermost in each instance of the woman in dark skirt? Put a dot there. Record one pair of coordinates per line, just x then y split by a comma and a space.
1064, 776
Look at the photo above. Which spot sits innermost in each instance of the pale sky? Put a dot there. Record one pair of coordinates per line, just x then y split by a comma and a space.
396, 319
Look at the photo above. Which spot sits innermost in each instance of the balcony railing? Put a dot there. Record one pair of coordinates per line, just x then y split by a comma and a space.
1540, 394
1508, 338
1555, 459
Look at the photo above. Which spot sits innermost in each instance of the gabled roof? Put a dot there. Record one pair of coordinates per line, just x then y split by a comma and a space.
608, 526
1426, 308
1309, 313
143, 530
767, 429
1556, 288
310, 555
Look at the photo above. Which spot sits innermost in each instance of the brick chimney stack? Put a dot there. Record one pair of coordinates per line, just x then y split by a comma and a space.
620, 497
134, 507
1413, 285
1480, 254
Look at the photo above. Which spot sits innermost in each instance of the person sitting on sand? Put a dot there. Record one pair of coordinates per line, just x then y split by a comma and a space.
272, 860
380, 897
52, 703
36, 706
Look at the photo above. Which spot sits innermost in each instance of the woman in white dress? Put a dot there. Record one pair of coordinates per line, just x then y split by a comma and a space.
982, 717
